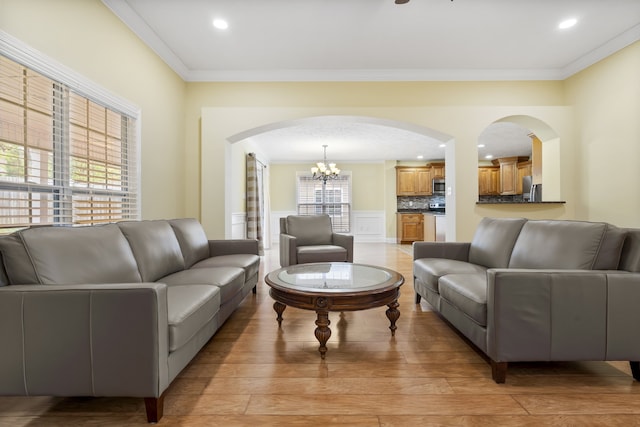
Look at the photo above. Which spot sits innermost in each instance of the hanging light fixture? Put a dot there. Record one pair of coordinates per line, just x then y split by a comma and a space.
323, 170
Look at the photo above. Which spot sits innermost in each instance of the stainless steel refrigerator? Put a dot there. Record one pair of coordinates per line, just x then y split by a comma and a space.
531, 192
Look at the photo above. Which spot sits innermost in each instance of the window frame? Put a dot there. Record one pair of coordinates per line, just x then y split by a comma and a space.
19, 52
341, 226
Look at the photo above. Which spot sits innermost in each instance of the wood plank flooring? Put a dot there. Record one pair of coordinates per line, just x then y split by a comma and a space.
253, 373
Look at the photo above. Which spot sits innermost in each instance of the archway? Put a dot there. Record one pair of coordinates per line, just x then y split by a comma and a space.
525, 144
253, 135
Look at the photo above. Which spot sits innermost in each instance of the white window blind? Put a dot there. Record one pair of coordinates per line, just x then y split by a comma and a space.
332, 198
64, 158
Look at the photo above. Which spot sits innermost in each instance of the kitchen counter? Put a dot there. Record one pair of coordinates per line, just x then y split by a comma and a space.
419, 210
507, 202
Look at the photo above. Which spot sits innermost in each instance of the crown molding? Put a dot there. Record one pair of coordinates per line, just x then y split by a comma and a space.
133, 21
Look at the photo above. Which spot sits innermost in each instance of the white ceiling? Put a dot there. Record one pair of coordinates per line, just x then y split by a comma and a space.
377, 40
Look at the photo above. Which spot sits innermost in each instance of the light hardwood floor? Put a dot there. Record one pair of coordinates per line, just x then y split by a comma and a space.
254, 374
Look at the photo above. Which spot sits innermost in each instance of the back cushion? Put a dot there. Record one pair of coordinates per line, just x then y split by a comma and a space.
155, 247
192, 239
630, 256
310, 230
558, 244
493, 241
17, 264
610, 248
76, 255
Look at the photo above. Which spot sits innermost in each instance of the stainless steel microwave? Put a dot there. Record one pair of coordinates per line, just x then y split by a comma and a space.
439, 187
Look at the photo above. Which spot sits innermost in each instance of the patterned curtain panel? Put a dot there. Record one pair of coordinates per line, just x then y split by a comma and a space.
255, 202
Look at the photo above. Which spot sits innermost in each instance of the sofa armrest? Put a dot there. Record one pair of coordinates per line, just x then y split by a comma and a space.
346, 241
288, 245
450, 250
233, 246
84, 340
544, 315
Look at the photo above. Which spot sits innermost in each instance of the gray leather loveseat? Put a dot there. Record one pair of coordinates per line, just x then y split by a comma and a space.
114, 310
544, 290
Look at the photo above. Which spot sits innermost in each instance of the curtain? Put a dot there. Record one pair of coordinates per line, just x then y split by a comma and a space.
255, 202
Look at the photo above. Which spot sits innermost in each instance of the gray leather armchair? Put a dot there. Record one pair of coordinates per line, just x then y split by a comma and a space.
310, 238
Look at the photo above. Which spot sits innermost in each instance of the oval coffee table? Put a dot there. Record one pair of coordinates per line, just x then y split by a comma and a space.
334, 286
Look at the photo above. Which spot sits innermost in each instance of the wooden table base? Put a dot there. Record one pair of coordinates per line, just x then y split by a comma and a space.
322, 307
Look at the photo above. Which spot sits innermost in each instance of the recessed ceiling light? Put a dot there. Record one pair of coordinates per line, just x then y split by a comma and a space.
480, 145
567, 23
488, 156
220, 24
442, 145
421, 157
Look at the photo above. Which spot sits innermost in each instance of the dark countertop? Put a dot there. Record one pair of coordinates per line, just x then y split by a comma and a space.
544, 202
420, 210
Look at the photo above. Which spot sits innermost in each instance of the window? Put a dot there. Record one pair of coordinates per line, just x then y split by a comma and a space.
65, 157
332, 198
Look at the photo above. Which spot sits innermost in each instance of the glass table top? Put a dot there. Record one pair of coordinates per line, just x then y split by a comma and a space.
334, 277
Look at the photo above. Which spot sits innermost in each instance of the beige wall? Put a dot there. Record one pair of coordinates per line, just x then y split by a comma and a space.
187, 162
88, 38
606, 100
367, 184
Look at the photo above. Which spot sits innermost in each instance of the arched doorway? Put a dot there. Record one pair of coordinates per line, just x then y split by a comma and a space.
255, 140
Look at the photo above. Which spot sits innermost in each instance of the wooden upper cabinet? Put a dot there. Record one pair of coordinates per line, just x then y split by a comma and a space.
488, 180
536, 160
524, 169
508, 175
413, 181
437, 170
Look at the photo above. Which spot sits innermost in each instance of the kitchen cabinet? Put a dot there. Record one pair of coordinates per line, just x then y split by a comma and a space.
437, 170
434, 228
413, 181
524, 169
508, 175
410, 227
488, 180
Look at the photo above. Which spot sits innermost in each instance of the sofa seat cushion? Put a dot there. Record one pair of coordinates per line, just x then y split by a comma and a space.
467, 292
190, 308
250, 263
229, 279
429, 270
321, 253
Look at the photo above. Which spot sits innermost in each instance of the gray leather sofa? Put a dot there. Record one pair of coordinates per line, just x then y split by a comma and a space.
310, 238
114, 310
525, 291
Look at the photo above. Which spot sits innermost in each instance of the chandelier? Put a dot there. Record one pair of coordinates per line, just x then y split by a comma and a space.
323, 170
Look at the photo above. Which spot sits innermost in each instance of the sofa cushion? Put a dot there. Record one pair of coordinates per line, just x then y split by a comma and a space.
76, 255
545, 244
467, 292
310, 230
250, 263
493, 241
192, 239
429, 270
610, 248
190, 307
321, 253
155, 247
16, 261
230, 280
630, 256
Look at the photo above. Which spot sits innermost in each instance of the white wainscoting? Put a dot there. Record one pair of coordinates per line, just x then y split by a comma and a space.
366, 226
239, 225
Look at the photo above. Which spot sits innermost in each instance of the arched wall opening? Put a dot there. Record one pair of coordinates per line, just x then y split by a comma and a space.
248, 140
544, 152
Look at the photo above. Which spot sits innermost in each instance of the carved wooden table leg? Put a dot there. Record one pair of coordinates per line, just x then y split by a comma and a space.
279, 308
393, 314
322, 331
